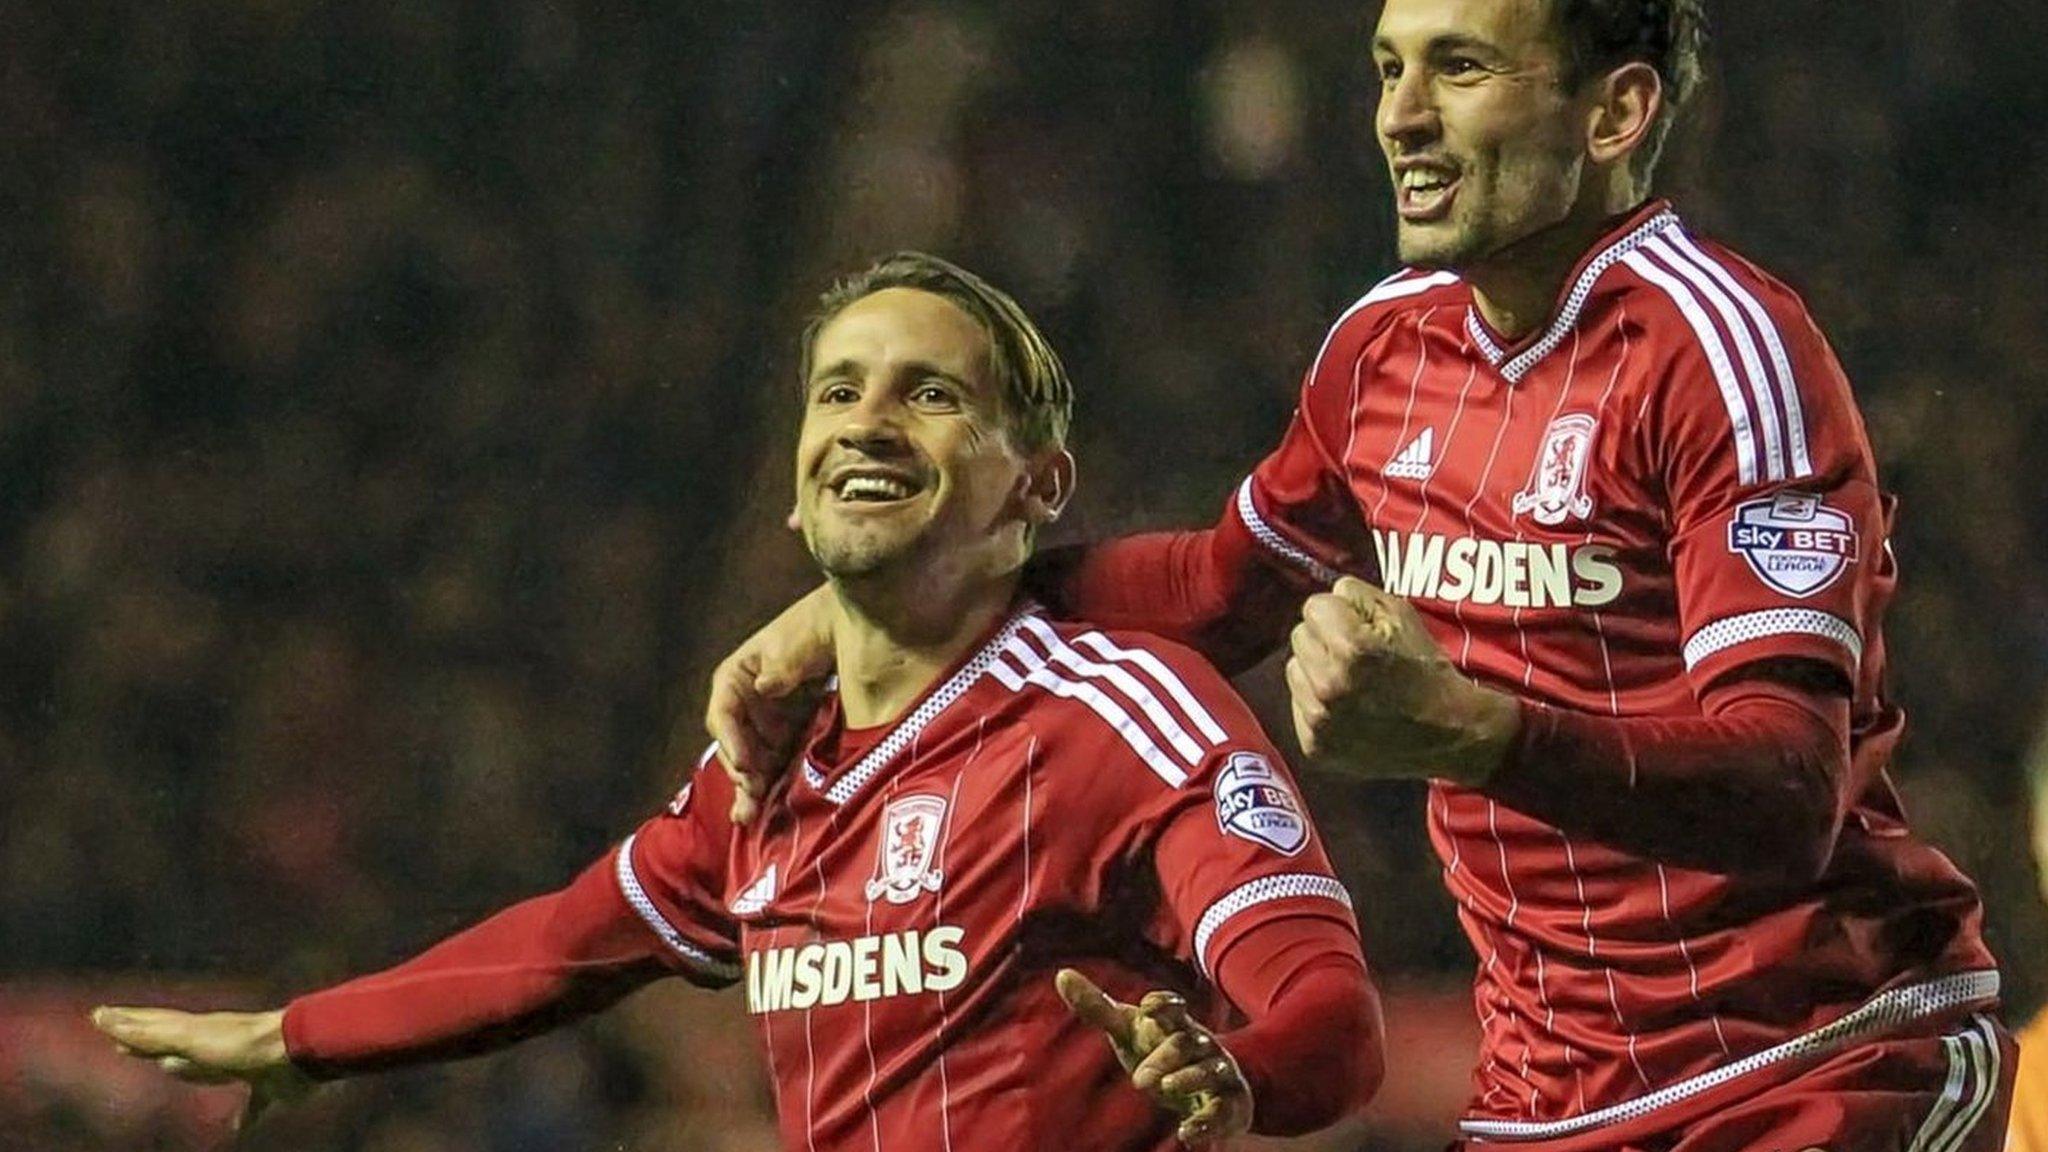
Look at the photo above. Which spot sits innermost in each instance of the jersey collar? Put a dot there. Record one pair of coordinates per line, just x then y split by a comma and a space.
846, 785
1517, 359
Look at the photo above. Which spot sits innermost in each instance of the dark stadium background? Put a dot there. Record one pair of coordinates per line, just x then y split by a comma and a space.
395, 400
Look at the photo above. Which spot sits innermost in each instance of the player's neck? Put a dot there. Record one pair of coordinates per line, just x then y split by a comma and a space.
1517, 288
894, 639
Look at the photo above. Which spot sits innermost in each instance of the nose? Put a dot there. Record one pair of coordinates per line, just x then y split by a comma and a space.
1407, 114
875, 424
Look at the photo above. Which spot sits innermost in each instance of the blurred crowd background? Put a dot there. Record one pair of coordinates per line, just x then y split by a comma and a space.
396, 400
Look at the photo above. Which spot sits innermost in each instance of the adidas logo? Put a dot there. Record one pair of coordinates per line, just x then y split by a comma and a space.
1417, 460
757, 895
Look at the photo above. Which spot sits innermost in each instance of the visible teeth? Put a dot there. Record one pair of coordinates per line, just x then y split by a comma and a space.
873, 488
1416, 180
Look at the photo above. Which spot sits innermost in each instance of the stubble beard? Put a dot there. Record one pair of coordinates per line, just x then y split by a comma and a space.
850, 553
1451, 246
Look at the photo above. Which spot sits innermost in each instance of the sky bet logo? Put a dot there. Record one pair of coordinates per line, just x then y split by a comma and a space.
1254, 802
1793, 542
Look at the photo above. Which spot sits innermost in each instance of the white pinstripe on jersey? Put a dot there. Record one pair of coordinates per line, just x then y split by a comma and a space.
1464, 655
810, 1041
1400, 285
1407, 416
1564, 395
867, 1008
939, 918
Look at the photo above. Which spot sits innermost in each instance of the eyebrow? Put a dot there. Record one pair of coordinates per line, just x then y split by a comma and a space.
851, 367
837, 368
1440, 44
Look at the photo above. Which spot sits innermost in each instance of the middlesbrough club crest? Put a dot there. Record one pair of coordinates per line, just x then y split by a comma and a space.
1556, 491
906, 859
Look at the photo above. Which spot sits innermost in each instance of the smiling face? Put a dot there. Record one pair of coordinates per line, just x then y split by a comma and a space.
905, 461
1484, 143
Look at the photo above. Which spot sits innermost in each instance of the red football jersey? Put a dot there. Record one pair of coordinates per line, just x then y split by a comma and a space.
1668, 481
1064, 798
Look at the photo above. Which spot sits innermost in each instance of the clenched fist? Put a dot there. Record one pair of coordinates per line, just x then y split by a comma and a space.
1374, 696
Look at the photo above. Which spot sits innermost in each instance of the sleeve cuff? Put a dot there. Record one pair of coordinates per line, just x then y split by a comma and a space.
299, 1047
699, 965
1222, 920
1276, 544
1796, 632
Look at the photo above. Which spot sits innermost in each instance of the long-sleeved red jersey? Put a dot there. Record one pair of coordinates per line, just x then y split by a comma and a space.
1662, 489
1066, 797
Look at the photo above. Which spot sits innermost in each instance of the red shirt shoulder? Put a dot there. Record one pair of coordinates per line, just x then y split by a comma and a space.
1751, 433
1328, 391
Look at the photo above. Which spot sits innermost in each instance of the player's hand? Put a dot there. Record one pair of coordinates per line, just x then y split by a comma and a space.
1171, 1058
762, 697
212, 1048
1373, 695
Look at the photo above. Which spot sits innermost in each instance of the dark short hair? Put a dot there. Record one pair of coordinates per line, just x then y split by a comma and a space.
1668, 35
1038, 399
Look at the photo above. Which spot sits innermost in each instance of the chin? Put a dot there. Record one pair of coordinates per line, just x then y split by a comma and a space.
1445, 251
844, 558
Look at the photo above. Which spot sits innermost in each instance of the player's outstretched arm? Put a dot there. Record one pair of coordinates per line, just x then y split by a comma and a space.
529, 968
759, 703
1171, 1057
212, 1048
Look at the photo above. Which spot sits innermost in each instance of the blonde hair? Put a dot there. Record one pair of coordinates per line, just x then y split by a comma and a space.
1038, 399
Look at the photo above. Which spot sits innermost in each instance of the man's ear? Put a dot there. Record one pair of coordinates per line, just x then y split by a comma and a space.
1048, 486
1628, 102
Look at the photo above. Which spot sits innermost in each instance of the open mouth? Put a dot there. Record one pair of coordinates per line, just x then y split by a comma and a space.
871, 487
1425, 193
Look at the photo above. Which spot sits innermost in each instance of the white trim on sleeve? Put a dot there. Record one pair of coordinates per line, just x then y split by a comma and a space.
629, 886
1276, 543
1253, 893
1730, 631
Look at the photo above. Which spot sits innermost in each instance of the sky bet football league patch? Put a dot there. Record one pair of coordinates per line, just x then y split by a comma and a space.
1254, 802
1793, 542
